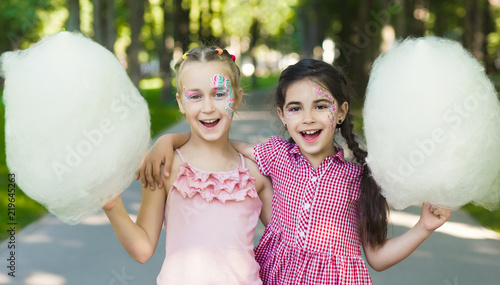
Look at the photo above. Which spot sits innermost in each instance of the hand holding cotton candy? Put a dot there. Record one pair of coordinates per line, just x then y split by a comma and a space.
76, 127
432, 126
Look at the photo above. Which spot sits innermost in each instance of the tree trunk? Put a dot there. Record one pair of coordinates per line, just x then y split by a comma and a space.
400, 23
474, 25
181, 25
104, 28
309, 27
489, 27
362, 42
136, 8
165, 53
73, 23
254, 35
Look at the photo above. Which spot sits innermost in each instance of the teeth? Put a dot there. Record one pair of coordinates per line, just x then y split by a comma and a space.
310, 132
209, 121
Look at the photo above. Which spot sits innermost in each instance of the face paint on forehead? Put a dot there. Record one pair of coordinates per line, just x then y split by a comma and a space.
223, 84
323, 93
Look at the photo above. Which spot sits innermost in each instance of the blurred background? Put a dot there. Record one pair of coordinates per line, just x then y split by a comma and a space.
149, 36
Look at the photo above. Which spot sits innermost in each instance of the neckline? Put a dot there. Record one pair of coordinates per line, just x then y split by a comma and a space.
240, 165
215, 172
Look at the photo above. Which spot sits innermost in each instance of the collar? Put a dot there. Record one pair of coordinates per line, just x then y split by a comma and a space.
338, 156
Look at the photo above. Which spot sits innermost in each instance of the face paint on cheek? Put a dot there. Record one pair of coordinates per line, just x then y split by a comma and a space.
229, 98
223, 84
332, 111
184, 94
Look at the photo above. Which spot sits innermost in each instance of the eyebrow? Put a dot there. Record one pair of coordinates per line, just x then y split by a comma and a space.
292, 103
315, 102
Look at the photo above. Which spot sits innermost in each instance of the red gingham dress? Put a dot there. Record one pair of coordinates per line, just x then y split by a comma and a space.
313, 236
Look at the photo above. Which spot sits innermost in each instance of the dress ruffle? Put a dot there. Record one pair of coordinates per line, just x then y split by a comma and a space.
224, 186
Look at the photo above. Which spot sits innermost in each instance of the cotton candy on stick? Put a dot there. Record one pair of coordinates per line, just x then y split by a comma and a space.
75, 125
432, 126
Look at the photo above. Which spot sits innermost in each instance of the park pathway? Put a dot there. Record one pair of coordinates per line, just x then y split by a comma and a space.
50, 252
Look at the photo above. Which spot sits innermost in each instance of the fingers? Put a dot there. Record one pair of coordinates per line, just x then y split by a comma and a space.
167, 166
149, 176
140, 168
441, 212
157, 174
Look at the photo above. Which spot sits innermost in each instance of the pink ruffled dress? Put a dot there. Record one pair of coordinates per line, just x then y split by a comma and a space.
210, 220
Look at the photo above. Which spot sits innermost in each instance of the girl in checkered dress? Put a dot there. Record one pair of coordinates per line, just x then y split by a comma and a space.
324, 207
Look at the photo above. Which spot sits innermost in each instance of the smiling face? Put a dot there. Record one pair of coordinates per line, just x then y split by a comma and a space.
311, 114
208, 99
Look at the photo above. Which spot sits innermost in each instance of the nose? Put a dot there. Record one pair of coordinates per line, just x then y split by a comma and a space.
308, 117
208, 105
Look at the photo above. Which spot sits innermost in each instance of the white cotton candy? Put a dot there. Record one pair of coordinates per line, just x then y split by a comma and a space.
75, 125
432, 126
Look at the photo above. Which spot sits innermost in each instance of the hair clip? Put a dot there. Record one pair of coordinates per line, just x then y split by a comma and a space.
219, 51
233, 57
185, 55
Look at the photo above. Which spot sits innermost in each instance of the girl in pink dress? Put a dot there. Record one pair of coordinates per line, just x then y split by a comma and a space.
324, 208
212, 201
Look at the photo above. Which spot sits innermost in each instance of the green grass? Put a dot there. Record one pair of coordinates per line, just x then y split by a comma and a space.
163, 114
490, 220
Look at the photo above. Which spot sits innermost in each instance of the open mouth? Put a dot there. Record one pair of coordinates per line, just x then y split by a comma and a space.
310, 136
210, 124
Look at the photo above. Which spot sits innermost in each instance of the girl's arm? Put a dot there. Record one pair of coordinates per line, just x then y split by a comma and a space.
244, 148
161, 153
397, 249
140, 238
264, 189
266, 196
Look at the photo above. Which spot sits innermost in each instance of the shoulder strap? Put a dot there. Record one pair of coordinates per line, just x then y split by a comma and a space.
180, 155
242, 161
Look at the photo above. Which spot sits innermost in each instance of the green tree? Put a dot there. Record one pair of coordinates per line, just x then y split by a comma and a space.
19, 22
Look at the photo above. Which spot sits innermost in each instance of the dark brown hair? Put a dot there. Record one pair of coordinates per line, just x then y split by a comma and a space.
373, 206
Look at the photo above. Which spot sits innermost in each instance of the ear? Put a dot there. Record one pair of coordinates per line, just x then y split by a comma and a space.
280, 114
343, 111
179, 102
238, 98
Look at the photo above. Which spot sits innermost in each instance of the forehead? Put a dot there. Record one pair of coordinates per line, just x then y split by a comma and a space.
197, 75
305, 90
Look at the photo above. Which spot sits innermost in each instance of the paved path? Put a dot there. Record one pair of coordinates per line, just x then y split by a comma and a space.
50, 252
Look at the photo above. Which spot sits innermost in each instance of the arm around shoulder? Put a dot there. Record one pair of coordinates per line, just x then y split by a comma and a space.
244, 148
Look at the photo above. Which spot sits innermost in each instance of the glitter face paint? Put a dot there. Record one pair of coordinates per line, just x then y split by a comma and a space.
187, 95
222, 84
324, 94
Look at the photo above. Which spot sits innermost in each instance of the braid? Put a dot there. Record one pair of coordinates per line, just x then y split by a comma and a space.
374, 207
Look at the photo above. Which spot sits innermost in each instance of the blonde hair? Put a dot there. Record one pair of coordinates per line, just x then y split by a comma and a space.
208, 54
